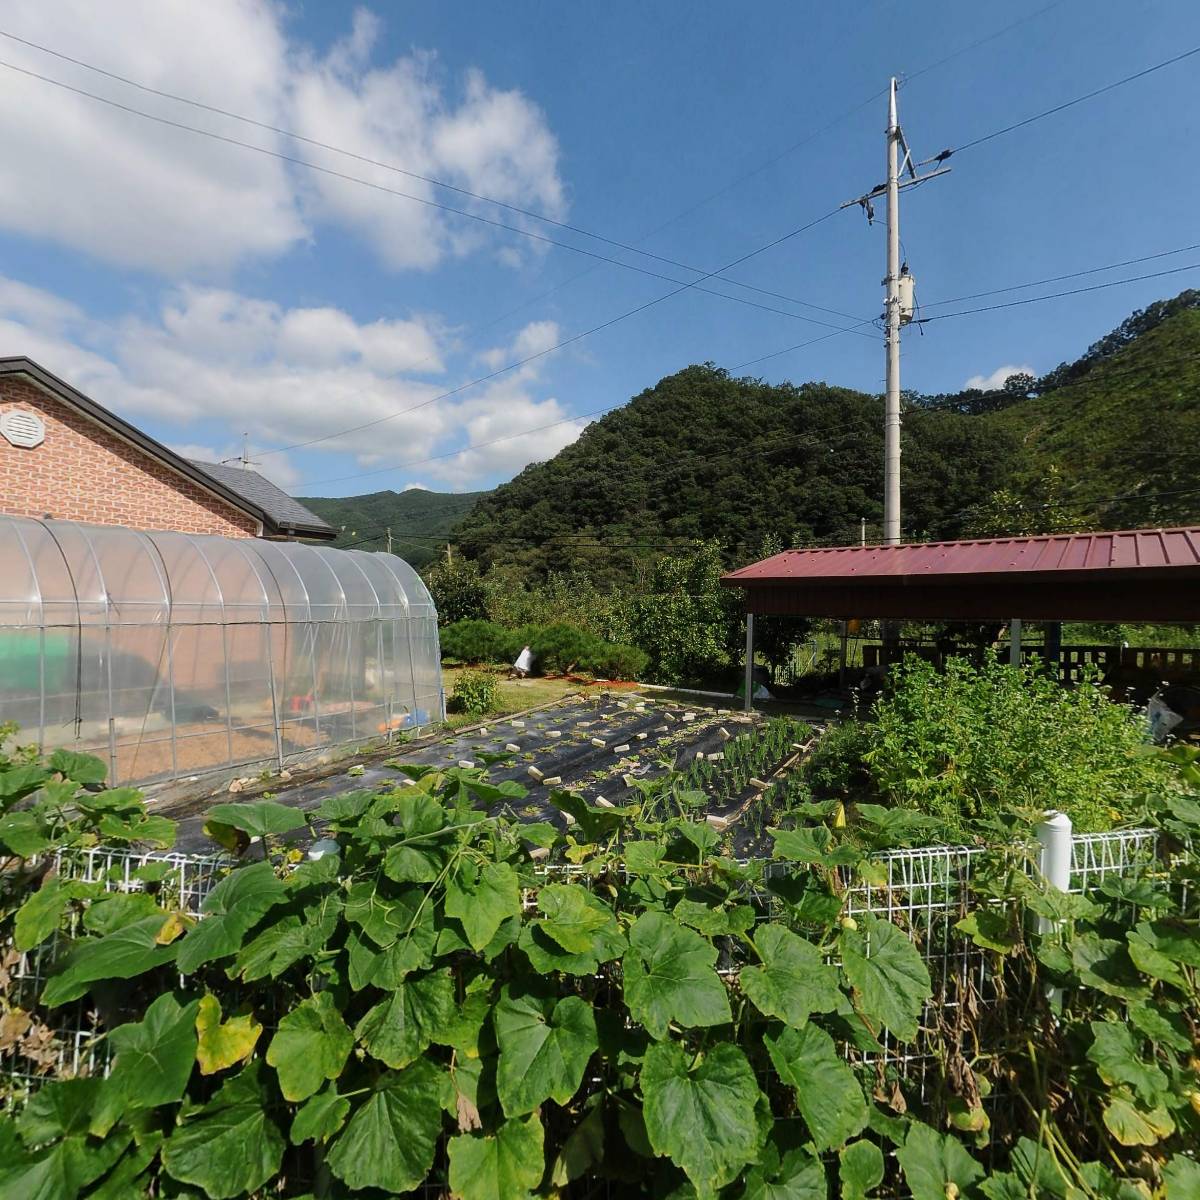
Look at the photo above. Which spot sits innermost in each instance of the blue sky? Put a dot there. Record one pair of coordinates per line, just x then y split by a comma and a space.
205, 291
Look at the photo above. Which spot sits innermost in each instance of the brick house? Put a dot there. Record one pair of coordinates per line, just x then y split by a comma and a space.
65, 456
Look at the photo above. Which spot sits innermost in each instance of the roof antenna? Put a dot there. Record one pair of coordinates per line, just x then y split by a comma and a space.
246, 461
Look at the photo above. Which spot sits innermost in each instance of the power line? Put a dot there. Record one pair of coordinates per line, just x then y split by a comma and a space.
1095, 287
1049, 112
450, 208
561, 344
1016, 287
388, 166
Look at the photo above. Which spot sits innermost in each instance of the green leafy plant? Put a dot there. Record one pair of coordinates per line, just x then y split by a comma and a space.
474, 693
431, 1003
969, 743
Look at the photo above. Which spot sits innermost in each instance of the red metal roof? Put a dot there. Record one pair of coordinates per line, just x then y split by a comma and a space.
1135, 550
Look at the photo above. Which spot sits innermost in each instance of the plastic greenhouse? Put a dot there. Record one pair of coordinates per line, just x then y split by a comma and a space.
173, 654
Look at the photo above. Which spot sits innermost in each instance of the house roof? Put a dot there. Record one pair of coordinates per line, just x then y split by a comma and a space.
286, 512
276, 518
1139, 549
1138, 574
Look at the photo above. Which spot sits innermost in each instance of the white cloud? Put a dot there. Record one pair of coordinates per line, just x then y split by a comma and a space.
987, 383
247, 365
144, 195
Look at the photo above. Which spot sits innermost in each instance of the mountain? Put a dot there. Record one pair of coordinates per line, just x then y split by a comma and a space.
421, 521
1124, 433
706, 455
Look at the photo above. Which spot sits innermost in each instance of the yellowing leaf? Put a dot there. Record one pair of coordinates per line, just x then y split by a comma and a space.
174, 926
223, 1044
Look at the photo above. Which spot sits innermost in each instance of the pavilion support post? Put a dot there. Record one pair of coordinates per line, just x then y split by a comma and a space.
1014, 642
1054, 647
748, 703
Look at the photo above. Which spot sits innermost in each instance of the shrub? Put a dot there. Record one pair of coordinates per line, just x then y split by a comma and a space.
837, 769
973, 742
613, 660
474, 692
476, 642
560, 647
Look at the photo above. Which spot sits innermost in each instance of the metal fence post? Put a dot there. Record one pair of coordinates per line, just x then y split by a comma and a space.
1054, 862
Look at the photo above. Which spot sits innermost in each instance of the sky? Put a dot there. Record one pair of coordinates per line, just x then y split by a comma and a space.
361, 327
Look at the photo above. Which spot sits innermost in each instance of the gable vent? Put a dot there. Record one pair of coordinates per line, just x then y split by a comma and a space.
24, 429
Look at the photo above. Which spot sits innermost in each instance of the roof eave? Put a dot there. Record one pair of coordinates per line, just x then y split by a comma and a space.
61, 390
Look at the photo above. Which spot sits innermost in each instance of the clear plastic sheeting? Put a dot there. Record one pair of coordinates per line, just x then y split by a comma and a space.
173, 654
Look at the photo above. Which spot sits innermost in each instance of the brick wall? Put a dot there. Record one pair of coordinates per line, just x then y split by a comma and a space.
82, 472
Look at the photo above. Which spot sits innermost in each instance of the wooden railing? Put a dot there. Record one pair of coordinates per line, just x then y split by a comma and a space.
1168, 662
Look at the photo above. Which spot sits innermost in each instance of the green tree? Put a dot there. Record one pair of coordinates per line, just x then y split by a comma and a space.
684, 621
458, 590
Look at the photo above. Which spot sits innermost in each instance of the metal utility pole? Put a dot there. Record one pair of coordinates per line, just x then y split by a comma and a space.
898, 299
389, 539
891, 404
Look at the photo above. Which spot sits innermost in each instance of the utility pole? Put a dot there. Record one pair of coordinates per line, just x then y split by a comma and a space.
449, 556
898, 299
389, 539
891, 312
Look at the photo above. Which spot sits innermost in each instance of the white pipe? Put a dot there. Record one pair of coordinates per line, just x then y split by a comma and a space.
1054, 862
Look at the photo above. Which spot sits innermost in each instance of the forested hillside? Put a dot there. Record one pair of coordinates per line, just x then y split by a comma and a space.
1125, 436
421, 521
703, 455
1109, 439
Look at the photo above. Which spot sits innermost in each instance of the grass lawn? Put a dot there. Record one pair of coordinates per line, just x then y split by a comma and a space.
514, 695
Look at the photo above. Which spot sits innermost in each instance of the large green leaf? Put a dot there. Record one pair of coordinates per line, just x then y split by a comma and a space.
1115, 1054
310, 1046
24, 833
389, 1141
796, 1175
1133, 1126
231, 1145
258, 818
794, 981
860, 1169
17, 782
890, 980
829, 1097
572, 916
385, 919
482, 903
568, 910
544, 1048
505, 1165
669, 976
932, 1161
154, 1060
1182, 1177
289, 939
813, 844
320, 1117
59, 1114
230, 910
702, 1115
122, 954
41, 914
400, 1028
81, 768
